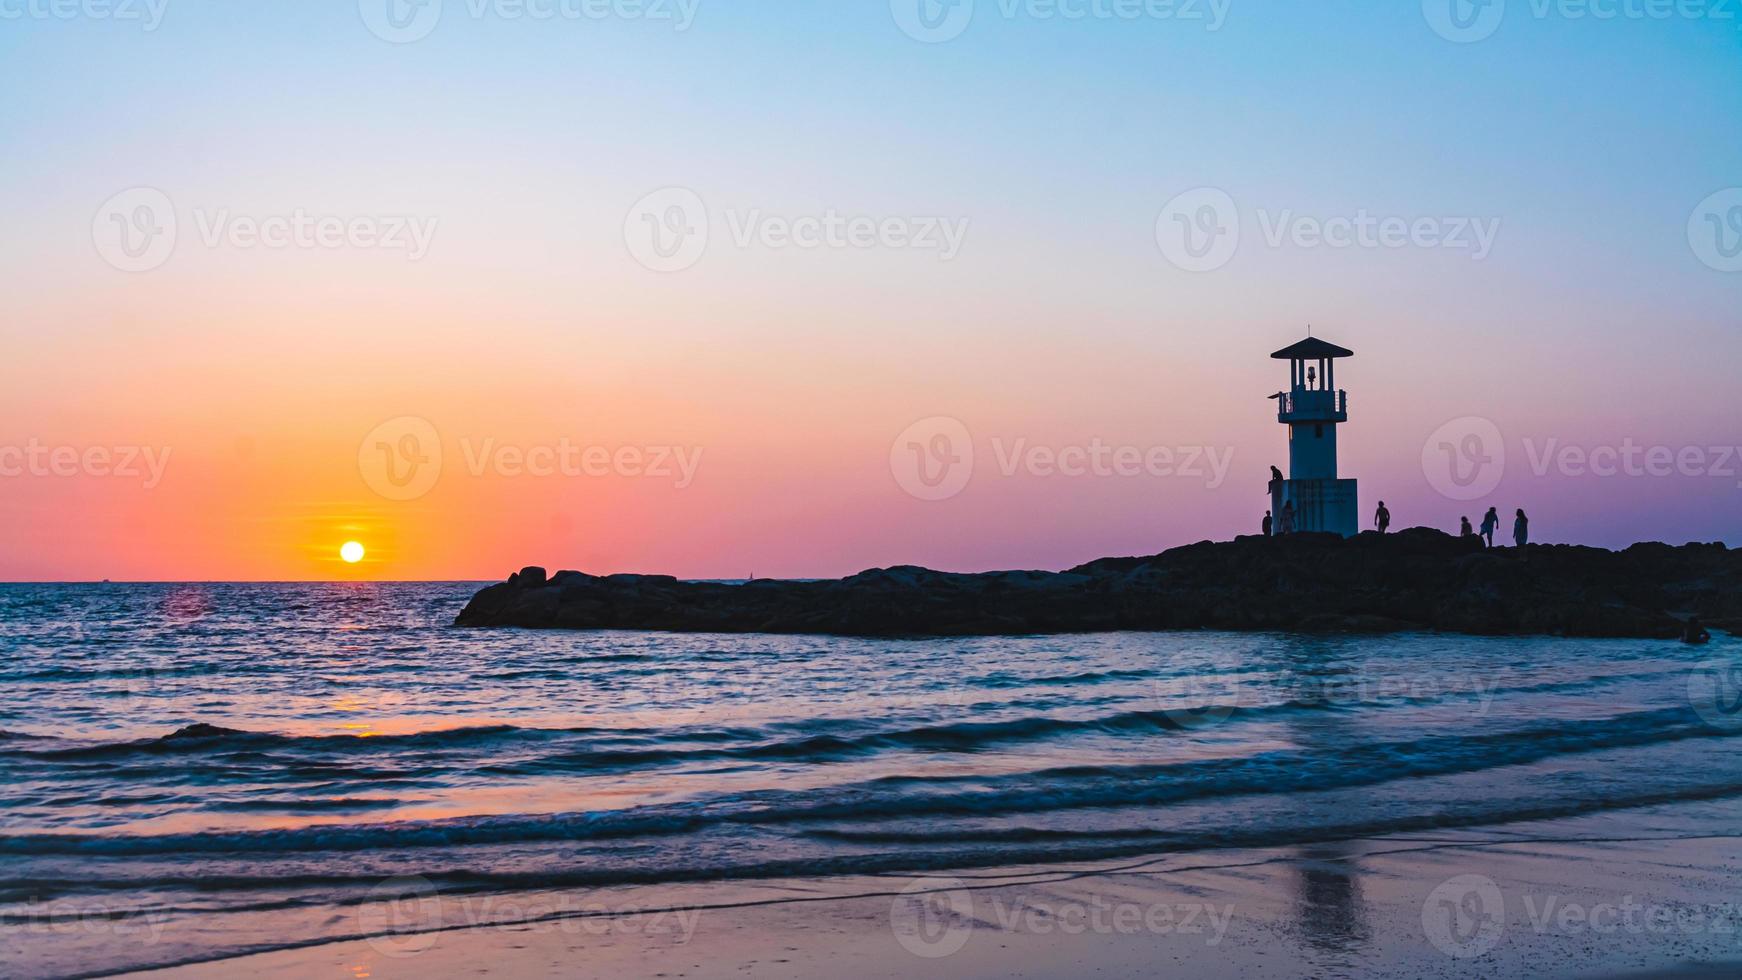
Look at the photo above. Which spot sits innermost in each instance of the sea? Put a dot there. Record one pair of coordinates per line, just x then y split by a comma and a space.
191, 772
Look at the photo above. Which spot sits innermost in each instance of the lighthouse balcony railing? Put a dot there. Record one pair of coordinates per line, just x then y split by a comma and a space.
1307, 405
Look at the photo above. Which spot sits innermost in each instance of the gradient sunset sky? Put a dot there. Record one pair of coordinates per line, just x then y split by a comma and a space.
1600, 317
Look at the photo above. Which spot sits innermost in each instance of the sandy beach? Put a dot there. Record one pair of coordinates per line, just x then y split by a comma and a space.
1647, 893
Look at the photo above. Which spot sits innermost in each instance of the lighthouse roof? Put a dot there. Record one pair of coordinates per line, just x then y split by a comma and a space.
1311, 349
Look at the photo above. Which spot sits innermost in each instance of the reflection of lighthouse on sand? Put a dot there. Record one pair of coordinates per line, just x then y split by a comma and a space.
1312, 408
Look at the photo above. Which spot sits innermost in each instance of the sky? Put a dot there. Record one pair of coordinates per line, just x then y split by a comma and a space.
802, 288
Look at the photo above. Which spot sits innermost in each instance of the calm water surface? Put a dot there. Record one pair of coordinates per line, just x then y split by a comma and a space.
239, 765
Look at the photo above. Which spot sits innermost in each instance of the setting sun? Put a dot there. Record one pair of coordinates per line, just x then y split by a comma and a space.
351, 552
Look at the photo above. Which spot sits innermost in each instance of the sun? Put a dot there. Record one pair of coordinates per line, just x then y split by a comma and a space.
352, 552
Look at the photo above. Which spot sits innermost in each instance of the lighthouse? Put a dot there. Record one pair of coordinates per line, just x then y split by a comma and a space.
1312, 408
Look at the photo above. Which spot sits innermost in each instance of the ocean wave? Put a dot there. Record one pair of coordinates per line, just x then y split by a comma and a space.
898, 797
1005, 679
902, 853
748, 744
959, 737
142, 669
206, 738
815, 740
305, 804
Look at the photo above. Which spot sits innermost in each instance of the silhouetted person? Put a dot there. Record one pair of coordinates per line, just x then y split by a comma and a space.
1275, 481
1267, 524
1288, 517
1490, 524
1466, 531
1382, 518
1521, 529
1694, 633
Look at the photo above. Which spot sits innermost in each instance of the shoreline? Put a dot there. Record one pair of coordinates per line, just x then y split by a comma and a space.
1642, 893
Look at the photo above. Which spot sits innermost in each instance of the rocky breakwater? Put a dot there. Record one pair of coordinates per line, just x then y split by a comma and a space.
1418, 579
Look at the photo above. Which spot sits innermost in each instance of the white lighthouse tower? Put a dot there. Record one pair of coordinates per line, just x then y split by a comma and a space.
1312, 408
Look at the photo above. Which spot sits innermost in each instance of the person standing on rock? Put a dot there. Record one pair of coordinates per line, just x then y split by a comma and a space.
1288, 517
1490, 524
1694, 634
1382, 518
1521, 529
1267, 524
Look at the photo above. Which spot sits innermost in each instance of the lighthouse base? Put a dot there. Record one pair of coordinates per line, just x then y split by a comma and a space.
1319, 505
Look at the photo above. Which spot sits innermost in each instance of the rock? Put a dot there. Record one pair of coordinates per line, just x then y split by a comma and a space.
1418, 579
200, 730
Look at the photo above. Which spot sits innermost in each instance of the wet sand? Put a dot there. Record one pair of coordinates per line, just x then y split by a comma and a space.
1645, 894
